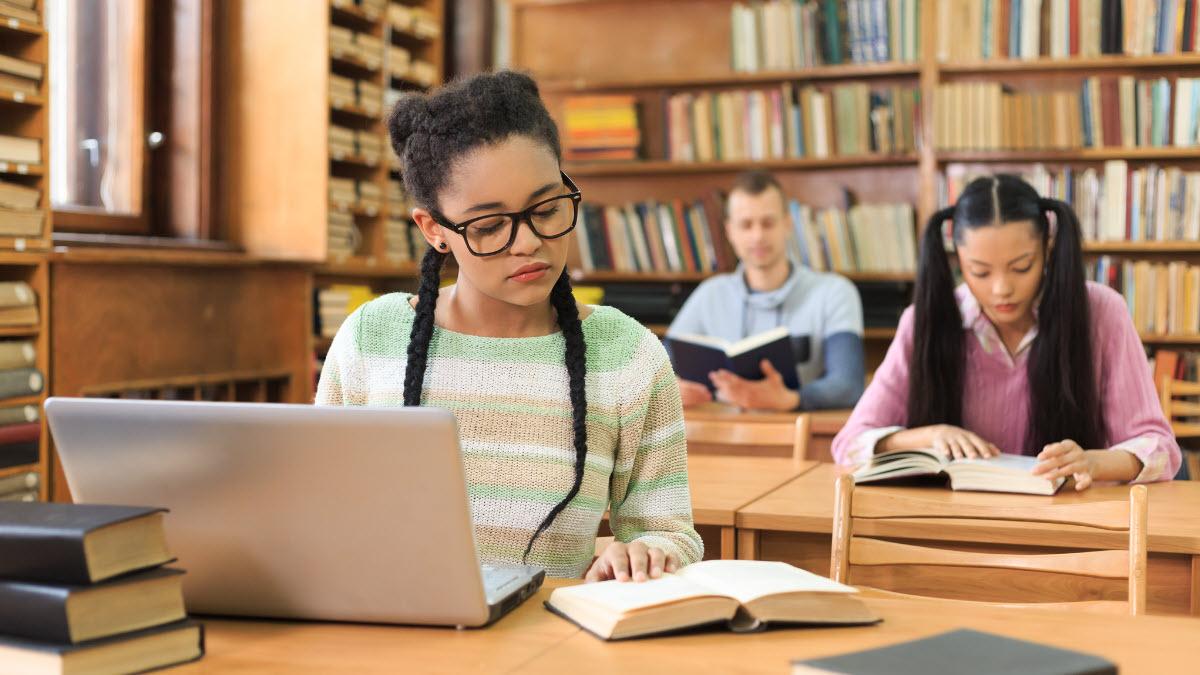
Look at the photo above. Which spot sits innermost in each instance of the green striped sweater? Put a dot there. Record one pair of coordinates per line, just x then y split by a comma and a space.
510, 398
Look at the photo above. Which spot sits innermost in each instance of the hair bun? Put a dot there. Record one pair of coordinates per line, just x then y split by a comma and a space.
408, 117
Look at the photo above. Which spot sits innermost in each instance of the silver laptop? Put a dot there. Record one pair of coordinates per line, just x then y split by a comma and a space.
296, 511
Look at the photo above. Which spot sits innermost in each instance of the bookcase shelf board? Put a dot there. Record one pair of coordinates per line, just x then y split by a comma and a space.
844, 72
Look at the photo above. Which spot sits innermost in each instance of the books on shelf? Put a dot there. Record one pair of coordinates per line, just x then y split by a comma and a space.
344, 237
18, 304
1151, 203
18, 196
20, 150
346, 142
865, 238
21, 222
740, 595
20, 484
83, 589
780, 35
1172, 364
1163, 297
363, 47
422, 72
335, 303
790, 122
28, 70
22, 85
979, 30
19, 414
17, 354
1003, 473
1121, 112
602, 127
17, 9
350, 92
652, 236
418, 22
399, 61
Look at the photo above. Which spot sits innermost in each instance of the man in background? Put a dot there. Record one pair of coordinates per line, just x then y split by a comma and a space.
822, 311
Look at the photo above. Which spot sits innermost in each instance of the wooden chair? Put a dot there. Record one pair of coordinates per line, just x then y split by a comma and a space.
870, 509
746, 435
1184, 416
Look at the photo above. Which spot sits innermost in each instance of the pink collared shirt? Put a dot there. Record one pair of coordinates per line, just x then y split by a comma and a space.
996, 389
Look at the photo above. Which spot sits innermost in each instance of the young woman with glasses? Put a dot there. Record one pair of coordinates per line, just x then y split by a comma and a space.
563, 409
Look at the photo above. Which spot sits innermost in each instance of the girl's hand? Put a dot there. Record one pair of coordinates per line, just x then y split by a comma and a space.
957, 443
634, 561
1059, 460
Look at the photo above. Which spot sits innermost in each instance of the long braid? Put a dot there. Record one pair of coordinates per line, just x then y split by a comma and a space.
563, 302
422, 329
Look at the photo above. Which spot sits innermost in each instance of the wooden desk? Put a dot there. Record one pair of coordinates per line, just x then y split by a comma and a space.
825, 425
533, 640
721, 485
794, 522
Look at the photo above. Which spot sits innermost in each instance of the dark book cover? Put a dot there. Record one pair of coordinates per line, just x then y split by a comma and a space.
152, 660
961, 651
1112, 27
39, 611
693, 360
17, 454
44, 541
1110, 112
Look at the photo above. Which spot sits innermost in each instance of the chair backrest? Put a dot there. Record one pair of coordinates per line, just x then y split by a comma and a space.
871, 508
1183, 414
746, 435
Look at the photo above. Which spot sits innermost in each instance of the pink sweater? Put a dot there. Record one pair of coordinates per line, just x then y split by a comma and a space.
996, 389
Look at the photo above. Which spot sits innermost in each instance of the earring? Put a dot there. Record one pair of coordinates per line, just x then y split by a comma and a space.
442, 246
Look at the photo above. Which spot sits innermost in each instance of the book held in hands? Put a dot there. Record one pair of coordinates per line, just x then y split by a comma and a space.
695, 356
1003, 473
742, 595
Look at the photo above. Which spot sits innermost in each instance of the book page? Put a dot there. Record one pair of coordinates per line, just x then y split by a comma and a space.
755, 341
1003, 462
702, 340
621, 597
748, 580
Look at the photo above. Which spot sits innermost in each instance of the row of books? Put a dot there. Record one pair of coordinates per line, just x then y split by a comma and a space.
23, 10
362, 47
780, 35
973, 30
20, 150
20, 487
20, 212
1115, 112
418, 22
791, 122
653, 237
1176, 365
1151, 203
86, 589
349, 92
20, 76
346, 193
601, 128
346, 142
336, 302
344, 237
1163, 298
18, 304
864, 238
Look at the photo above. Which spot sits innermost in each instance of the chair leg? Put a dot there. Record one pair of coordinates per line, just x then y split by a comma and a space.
1192, 457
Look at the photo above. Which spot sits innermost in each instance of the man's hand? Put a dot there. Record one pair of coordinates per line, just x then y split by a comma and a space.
769, 393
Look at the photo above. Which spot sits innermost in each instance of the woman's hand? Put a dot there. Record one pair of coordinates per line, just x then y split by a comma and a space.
634, 561
693, 393
958, 443
1059, 460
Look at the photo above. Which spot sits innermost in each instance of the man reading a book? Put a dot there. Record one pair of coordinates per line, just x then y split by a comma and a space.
822, 312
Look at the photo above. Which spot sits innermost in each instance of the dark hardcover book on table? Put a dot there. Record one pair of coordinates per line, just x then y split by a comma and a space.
78, 543
961, 651
138, 652
79, 613
695, 356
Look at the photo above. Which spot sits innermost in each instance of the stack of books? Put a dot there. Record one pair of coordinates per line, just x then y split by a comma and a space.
344, 236
18, 304
370, 196
781, 35
20, 215
362, 47
369, 145
1163, 298
791, 122
342, 92
20, 9
341, 142
335, 303
83, 589
20, 429
343, 193
424, 24
399, 60
20, 150
422, 72
20, 487
601, 128
20, 76
372, 8
973, 30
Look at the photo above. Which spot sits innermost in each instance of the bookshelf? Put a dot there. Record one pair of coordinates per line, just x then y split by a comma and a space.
584, 48
25, 221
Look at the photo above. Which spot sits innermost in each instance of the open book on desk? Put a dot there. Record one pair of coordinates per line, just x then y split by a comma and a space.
1003, 473
695, 356
745, 595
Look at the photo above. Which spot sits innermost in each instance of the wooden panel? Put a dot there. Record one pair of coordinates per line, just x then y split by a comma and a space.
272, 121
120, 322
879, 552
881, 502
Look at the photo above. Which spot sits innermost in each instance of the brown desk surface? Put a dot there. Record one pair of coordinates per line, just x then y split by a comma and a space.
533, 640
805, 504
721, 485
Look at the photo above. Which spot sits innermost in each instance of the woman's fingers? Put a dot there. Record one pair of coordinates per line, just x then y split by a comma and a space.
639, 560
658, 562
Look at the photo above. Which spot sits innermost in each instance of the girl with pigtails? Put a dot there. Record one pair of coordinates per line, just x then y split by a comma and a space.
563, 409
1023, 357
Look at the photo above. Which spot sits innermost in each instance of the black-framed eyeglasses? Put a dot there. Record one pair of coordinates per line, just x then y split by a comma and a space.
495, 232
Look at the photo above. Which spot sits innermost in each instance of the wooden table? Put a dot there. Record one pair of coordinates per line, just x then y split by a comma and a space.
794, 522
825, 425
721, 485
533, 640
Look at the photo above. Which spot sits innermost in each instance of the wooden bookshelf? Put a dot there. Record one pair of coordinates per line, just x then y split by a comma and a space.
23, 256
1072, 156
1073, 65
651, 167
842, 72
1172, 248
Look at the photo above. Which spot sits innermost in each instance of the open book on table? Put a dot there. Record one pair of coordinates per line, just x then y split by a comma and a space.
745, 595
1004, 473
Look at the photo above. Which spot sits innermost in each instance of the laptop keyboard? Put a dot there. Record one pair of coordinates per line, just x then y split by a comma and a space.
497, 577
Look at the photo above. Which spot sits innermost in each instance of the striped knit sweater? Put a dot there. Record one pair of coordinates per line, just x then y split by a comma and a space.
510, 398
